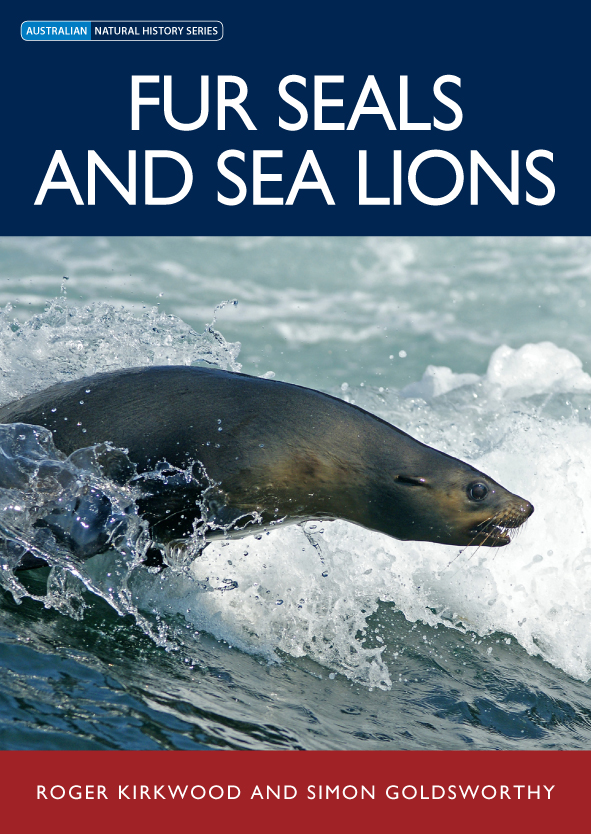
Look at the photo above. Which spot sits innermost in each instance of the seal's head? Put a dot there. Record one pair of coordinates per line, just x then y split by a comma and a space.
444, 500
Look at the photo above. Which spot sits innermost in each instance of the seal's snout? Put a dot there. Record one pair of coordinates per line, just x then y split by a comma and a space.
500, 528
518, 514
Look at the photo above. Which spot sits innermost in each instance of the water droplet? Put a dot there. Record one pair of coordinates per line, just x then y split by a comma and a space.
402, 354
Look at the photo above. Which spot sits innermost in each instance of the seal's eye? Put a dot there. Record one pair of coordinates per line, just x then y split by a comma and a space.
477, 492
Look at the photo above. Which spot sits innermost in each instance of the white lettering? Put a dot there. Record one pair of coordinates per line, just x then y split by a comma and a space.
230, 175
453, 106
235, 103
371, 86
258, 178
477, 161
136, 101
168, 105
531, 169
320, 103
175, 198
309, 160
68, 183
293, 102
412, 178
128, 194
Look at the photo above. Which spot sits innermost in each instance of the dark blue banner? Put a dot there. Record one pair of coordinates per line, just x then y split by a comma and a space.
302, 120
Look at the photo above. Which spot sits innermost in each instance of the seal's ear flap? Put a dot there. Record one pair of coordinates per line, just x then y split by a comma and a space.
405, 479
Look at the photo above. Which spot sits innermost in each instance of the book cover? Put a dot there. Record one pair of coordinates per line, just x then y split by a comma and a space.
336, 524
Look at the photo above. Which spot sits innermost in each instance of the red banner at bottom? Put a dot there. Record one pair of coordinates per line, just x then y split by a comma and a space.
291, 790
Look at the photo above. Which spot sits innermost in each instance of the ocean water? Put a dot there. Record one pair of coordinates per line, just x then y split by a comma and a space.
322, 636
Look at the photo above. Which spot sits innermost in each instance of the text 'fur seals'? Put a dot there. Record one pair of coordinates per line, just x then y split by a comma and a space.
270, 452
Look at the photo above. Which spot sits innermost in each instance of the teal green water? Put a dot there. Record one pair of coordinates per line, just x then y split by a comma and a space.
325, 310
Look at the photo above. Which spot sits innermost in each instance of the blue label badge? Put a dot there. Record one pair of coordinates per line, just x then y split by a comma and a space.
56, 30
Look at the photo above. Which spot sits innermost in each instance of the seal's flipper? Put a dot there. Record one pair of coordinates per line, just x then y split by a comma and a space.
83, 523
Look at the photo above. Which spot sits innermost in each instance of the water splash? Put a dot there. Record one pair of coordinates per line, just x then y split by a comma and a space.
68, 342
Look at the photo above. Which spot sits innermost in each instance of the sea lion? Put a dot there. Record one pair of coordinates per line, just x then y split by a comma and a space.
261, 452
